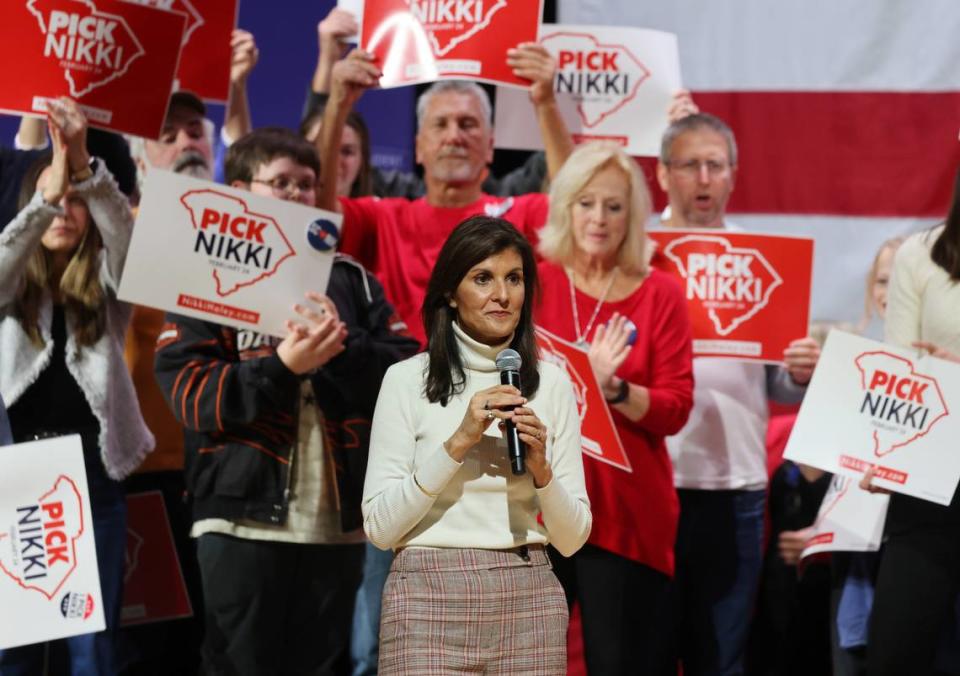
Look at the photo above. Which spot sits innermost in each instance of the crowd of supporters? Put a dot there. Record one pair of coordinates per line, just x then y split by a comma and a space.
340, 498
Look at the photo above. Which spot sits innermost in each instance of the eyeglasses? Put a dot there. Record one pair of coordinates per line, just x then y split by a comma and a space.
281, 185
694, 167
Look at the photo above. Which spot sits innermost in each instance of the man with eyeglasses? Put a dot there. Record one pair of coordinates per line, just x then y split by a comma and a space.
720, 459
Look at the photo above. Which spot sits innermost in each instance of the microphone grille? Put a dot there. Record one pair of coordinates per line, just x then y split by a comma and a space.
508, 360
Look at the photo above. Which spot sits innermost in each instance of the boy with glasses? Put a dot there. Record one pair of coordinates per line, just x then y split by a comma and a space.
276, 435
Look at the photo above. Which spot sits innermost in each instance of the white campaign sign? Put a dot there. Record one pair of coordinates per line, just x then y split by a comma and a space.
225, 255
612, 84
850, 519
874, 405
49, 583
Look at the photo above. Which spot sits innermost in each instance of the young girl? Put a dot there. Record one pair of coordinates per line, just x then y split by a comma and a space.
61, 358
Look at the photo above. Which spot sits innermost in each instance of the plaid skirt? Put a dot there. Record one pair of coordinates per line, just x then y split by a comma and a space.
454, 611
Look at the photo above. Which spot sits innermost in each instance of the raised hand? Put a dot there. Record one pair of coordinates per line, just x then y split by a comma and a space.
609, 350
532, 61
244, 55
354, 75
801, 358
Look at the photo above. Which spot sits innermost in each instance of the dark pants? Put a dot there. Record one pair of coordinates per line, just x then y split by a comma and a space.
916, 591
719, 554
277, 608
622, 605
87, 654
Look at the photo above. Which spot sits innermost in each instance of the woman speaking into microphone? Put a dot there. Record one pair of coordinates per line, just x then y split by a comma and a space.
471, 587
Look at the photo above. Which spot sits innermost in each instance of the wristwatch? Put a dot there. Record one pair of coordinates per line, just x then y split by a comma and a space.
85, 173
623, 391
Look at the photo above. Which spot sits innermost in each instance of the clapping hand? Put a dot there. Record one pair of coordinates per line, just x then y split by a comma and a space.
609, 349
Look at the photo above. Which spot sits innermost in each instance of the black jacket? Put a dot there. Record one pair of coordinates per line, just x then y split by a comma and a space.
238, 402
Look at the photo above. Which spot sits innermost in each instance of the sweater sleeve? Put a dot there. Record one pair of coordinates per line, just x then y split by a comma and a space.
110, 210
671, 382
393, 502
564, 502
905, 293
781, 388
19, 240
208, 389
358, 237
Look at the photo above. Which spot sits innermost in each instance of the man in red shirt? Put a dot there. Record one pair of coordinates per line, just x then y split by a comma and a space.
399, 239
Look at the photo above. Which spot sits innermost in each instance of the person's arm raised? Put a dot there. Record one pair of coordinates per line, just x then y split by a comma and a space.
350, 78
237, 121
533, 62
332, 32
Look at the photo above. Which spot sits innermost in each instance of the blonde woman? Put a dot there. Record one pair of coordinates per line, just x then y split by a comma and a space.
878, 279
600, 292
61, 359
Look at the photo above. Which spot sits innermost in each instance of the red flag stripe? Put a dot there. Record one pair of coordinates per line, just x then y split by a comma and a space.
839, 153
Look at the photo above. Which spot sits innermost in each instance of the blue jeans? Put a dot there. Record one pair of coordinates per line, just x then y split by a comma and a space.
87, 654
719, 554
365, 637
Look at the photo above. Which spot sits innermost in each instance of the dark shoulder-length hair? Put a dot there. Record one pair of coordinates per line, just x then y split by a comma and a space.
946, 250
472, 242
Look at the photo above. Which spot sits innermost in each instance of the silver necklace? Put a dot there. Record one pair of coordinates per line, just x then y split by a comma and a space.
582, 337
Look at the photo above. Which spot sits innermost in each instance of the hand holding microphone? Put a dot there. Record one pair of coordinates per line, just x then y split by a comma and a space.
526, 435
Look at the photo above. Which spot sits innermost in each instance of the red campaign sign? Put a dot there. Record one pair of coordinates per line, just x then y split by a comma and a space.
748, 295
205, 55
425, 40
116, 59
599, 436
154, 589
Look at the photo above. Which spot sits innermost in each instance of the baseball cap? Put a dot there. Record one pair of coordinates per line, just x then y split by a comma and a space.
187, 100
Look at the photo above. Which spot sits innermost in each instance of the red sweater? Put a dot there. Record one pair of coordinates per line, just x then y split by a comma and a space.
635, 514
399, 240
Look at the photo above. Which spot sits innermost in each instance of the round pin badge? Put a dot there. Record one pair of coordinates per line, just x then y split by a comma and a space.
632, 328
323, 235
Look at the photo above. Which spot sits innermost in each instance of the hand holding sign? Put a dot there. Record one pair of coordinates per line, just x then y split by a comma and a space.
801, 357
531, 61
334, 29
354, 75
244, 55
681, 106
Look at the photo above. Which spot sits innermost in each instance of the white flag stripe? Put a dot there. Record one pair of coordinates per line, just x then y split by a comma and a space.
816, 45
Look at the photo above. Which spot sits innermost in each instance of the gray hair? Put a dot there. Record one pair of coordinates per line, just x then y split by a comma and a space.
455, 87
696, 122
138, 148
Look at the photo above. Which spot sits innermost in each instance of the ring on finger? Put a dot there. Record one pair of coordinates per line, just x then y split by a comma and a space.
489, 415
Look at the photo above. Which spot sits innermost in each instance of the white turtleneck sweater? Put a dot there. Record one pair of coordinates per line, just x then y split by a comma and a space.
478, 503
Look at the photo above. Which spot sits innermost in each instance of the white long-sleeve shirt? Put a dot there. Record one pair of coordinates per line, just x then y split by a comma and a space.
478, 503
923, 303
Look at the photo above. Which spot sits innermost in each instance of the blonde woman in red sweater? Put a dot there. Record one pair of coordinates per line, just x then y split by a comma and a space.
600, 292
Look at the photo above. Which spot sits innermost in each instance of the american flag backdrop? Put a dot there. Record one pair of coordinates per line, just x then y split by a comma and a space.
846, 113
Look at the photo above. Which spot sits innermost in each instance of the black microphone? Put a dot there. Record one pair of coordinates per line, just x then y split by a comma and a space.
508, 363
